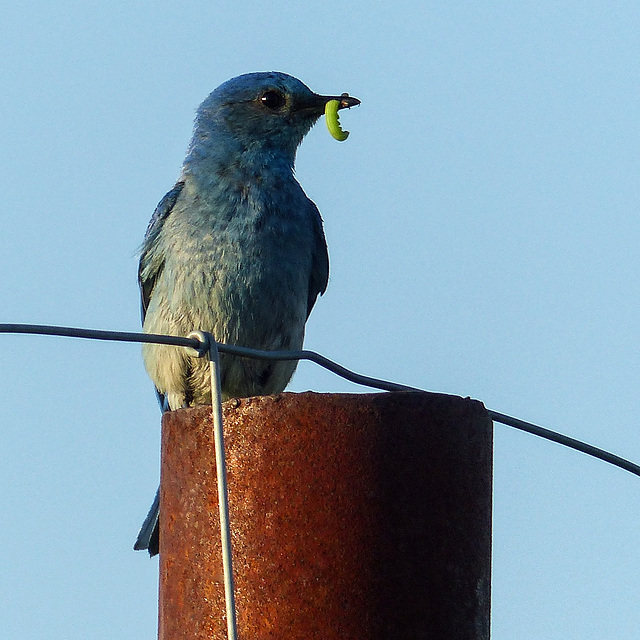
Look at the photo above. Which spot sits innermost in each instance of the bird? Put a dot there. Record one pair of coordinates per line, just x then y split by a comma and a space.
235, 248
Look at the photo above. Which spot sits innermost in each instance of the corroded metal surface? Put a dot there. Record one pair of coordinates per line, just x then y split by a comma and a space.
354, 516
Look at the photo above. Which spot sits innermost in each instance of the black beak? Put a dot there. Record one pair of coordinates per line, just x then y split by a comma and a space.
317, 102
346, 101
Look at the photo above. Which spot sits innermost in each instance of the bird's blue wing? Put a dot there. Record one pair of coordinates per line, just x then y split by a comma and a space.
161, 213
148, 280
320, 265
148, 536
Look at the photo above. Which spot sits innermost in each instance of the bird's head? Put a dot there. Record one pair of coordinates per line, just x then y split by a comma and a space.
262, 112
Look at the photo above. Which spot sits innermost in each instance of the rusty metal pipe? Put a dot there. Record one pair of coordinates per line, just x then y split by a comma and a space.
362, 516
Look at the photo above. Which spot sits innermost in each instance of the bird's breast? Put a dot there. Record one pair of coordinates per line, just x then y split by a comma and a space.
240, 268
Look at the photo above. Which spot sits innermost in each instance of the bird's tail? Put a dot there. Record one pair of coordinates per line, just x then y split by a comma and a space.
149, 536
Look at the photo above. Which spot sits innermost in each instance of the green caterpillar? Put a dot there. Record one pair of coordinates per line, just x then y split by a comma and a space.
333, 121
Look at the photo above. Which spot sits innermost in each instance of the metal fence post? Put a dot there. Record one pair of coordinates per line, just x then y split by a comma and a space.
360, 516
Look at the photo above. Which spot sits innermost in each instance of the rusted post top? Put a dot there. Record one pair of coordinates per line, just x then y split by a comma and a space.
359, 516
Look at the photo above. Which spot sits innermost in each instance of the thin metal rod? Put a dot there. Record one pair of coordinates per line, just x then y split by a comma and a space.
223, 491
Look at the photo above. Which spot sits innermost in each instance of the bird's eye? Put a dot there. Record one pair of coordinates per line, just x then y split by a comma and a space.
273, 100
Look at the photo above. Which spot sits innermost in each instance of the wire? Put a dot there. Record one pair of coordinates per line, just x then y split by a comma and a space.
221, 474
375, 383
566, 441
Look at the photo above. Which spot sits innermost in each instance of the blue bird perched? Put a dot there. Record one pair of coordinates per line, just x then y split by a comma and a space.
235, 248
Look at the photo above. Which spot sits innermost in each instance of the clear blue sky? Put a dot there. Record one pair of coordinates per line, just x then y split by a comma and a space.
483, 228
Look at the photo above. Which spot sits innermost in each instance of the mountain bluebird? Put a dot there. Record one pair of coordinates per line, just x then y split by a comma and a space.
235, 248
